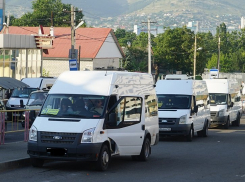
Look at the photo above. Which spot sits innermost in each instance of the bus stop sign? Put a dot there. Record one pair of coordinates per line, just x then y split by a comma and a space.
73, 65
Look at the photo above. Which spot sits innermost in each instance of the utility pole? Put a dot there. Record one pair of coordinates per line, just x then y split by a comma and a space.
72, 33
149, 46
195, 57
218, 62
149, 43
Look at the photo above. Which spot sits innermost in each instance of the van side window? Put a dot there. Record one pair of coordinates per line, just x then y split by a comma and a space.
229, 99
128, 112
193, 103
151, 108
112, 101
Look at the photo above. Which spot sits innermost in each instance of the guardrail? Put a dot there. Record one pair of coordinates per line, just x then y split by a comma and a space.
17, 123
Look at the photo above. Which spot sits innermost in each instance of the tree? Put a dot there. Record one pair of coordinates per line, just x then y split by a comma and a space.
174, 49
124, 38
43, 10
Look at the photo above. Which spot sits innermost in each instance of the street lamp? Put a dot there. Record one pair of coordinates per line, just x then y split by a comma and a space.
195, 56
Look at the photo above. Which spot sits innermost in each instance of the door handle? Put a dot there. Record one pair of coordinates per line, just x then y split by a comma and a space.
143, 127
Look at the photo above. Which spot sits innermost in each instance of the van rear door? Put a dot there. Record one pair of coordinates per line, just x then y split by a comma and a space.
125, 126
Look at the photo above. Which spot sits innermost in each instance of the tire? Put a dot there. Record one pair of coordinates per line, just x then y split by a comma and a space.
104, 159
204, 131
237, 121
227, 125
145, 151
37, 162
189, 137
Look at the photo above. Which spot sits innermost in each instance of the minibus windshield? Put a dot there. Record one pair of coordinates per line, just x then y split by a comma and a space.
74, 106
171, 101
36, 98
218, 99
22, 92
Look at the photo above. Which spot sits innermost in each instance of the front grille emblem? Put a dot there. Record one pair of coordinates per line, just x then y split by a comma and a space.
57, 137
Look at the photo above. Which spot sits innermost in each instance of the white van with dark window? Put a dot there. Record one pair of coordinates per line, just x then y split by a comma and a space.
93, 115
183, 108
225, 102
19, 96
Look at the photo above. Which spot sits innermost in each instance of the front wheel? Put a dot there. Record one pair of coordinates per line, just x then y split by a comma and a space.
104, 159
204, 131
237, 121
189, 137
227, 125
145, 151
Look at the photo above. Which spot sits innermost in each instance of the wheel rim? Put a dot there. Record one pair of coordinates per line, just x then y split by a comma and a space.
105, 158
147, 149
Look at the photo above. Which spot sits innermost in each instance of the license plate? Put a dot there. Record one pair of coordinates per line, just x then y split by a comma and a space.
165, 129
16, 114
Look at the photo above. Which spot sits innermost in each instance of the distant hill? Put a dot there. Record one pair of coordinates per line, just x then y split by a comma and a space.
111, 8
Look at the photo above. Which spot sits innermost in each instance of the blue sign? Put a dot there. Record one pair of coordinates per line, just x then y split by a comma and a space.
73, 65
1, 19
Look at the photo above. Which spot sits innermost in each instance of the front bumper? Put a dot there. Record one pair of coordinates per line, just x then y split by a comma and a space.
217, 120
66, 148
172, 127
80, 152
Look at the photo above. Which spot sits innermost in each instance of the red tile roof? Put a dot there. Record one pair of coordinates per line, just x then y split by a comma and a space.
90, 40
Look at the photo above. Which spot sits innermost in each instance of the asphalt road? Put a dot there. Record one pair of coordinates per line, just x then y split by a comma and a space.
219, 157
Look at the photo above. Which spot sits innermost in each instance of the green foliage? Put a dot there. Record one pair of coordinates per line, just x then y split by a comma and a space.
45, 73
173, 50
43, 10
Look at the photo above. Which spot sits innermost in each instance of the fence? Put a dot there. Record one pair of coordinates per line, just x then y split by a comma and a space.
14, 121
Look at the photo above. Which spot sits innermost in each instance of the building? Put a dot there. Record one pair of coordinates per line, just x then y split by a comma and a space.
99, 49
242, 22
155, 30
2, 13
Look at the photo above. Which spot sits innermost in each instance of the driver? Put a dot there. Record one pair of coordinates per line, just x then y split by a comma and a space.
97, 107
39, 100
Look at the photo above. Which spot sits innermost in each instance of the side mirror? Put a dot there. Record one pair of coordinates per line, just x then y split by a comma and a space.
195, 110
112, 119
21, 103
232, 104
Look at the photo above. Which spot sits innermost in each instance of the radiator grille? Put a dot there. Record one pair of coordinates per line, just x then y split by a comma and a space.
58, 138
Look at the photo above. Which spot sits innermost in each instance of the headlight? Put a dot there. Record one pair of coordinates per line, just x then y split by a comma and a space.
182, 119
221, 113
33, 133
88, 136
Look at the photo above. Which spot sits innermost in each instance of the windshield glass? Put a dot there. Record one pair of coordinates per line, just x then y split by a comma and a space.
168, 101
74, 106
218, 99
36, 98
22, 92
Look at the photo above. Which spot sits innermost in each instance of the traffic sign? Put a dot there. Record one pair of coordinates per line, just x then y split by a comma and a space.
73, 65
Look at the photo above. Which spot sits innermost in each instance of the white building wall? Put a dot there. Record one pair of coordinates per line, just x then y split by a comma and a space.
242, 22
108, 63
109, 49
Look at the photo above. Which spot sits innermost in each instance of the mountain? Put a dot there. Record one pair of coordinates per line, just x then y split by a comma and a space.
112, 8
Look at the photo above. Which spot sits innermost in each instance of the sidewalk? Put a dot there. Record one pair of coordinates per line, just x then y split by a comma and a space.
13, 155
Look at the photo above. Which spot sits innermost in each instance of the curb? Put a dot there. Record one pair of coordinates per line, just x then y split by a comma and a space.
15, 164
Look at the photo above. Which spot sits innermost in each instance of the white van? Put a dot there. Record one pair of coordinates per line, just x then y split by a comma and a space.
183, 108
225, 102
93, 115
20, 96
